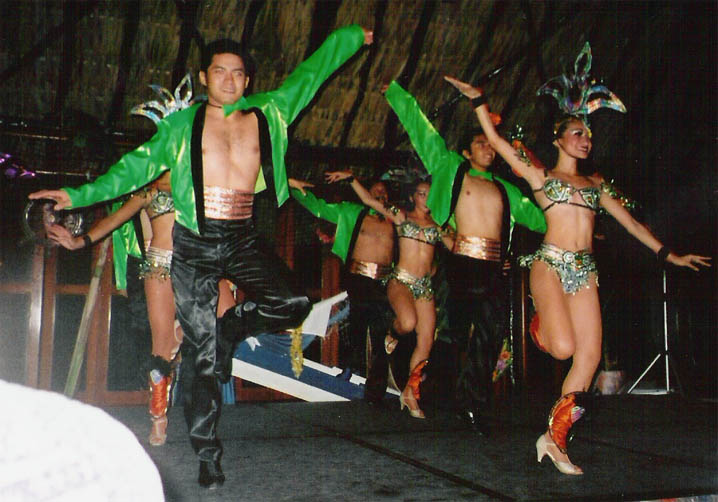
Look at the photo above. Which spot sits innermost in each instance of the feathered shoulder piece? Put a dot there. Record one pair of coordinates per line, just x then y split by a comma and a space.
168, 103
579, 94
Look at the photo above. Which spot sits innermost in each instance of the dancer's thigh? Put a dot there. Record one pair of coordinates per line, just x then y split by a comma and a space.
555, 321
402, 303
585, 313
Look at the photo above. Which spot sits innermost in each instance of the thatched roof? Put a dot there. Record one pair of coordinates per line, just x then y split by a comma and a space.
74, 69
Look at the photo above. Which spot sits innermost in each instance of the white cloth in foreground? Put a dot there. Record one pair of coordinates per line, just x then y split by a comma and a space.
53, 448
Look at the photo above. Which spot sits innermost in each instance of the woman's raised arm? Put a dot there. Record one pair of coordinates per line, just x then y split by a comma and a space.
364, 195
643, 234
520, 164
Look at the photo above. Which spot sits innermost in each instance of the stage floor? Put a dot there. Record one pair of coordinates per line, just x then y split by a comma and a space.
632, 447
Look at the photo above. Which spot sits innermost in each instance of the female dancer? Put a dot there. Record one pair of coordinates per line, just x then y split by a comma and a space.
409, 284
563, 277
157, 201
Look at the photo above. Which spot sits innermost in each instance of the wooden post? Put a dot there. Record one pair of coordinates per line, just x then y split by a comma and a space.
32, 344
81, 341
330, 287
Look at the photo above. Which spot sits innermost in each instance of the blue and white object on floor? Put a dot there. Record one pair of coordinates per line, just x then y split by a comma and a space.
265, 360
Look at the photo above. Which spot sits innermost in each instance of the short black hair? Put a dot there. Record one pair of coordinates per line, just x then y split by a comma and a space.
227, 46
468, 137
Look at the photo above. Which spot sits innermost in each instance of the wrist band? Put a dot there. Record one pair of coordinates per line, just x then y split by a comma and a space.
478, 101
86, 239
662, 254
349, 179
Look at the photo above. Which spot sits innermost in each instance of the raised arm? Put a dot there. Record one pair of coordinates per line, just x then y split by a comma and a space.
318, 207
300, 185
102, 228
641, 232
302, 84
364, 195
521, 165
425, 139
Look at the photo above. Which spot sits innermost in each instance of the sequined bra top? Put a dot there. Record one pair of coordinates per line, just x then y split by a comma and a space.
161, 203
560, 192
411, 230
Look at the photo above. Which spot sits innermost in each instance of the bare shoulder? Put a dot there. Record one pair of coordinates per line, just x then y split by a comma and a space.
596, 179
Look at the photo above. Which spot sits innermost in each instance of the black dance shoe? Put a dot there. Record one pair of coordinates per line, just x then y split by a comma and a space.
375, 401
210, 475
473, 419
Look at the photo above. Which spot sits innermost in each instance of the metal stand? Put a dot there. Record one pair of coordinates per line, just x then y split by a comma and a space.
665, 353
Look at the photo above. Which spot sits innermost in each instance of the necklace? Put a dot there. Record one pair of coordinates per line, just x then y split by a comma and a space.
216, 106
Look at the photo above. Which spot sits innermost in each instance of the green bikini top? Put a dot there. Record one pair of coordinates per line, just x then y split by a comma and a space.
411, 230
560, 192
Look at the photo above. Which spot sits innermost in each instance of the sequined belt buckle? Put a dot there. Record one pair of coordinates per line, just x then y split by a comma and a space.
369, 269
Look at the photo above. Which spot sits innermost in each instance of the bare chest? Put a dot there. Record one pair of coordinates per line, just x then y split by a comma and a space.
479, 192
233, 137
374, 227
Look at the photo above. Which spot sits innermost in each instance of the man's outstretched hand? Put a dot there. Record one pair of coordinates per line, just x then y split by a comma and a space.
62, 200
368, 36
464, 88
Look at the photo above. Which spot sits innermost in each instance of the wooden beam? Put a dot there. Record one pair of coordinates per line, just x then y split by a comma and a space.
46, 41
407, 73
250, 21
32, 344
323, 19
131, 14
47, 334
187, 11
364, 74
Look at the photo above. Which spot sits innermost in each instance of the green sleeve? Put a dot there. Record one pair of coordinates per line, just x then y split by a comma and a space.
425, 139
523, 210
134, 170
124, 243
318, 207
344, 215
302, 84
439, 161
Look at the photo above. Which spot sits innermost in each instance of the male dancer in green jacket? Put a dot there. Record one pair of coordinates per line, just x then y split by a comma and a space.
485, 208
364, 241
215, 151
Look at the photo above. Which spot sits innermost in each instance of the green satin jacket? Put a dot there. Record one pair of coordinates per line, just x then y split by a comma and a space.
345, 215
177, 143
445, 167
124, 243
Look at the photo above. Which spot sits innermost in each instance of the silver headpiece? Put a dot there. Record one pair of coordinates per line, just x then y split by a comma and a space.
168, 103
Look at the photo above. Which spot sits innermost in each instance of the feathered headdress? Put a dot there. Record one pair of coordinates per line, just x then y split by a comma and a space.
413, 172
168, 103
578, 94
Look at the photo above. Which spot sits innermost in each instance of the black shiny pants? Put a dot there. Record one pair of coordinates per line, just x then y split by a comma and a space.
369, 310
476, 296
226, 249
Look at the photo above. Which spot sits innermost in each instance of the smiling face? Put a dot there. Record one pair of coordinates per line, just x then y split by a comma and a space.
226, 79
378, 191
575, 139
482, 153
420, 195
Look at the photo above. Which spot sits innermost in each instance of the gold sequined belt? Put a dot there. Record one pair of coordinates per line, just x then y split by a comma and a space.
369, 269
227, 204
477, 247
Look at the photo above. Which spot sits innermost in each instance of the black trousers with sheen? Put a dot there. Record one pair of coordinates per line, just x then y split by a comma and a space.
369, 310
226, 249
476, 296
